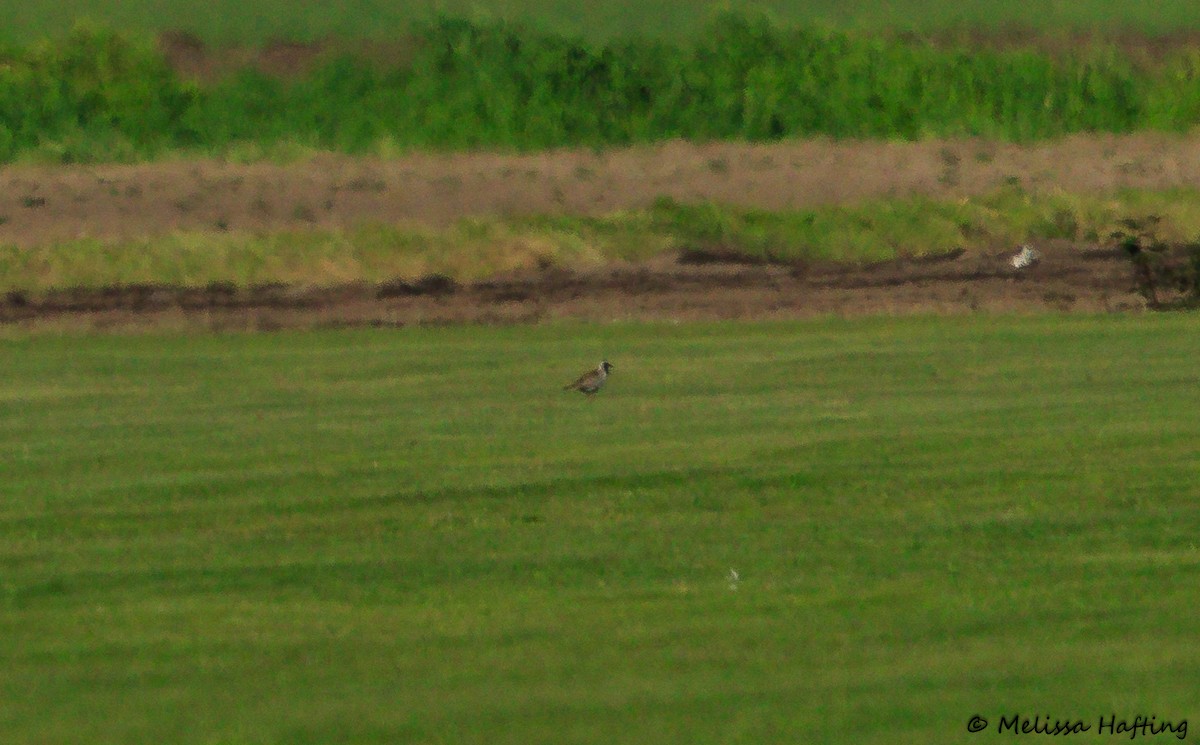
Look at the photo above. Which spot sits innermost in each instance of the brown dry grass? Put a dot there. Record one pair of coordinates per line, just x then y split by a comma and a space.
44, 204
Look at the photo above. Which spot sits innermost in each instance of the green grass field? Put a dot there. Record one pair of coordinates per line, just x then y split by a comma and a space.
225, 21
414, 536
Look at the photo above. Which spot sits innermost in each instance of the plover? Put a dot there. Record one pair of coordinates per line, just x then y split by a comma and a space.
592, 380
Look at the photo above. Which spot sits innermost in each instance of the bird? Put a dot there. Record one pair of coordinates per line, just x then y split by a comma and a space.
1026, 258
592, 380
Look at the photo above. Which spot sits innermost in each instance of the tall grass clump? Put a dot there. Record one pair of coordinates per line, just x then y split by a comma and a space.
455, 84
94, 95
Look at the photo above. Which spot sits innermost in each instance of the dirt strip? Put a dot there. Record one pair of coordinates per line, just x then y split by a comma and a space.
48, 204
1067, 279
40, 204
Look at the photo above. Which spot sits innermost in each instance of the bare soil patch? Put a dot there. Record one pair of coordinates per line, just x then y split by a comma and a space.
1067, 279
41, 204
189, 56
46, 204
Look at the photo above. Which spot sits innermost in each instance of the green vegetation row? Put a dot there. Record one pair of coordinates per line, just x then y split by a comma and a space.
239, 22
413, 536
453, 84
477, 248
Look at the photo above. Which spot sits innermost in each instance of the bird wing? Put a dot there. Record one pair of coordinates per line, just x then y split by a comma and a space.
581, 381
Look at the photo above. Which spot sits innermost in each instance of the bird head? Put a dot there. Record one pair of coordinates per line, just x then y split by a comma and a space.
605, 366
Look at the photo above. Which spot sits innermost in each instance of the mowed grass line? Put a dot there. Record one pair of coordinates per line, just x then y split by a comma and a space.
414, 536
